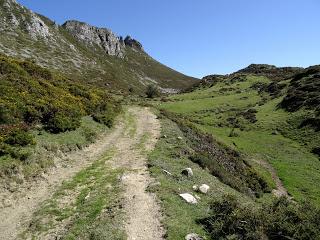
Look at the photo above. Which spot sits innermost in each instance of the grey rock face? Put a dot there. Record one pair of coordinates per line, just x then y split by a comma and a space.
37, 28
133, 43
17, 16
102, 37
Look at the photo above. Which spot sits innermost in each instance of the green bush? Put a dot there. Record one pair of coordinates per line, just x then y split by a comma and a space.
5, 116
30, 94
105, 118
281, 219
89, 134
19, 138
62, 122
36, 71
152, 91
105, 114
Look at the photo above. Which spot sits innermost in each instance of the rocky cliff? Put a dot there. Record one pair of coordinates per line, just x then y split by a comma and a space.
97, 37
82, 51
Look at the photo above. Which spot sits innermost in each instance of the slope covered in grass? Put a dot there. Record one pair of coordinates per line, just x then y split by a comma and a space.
244, 112
222, 213
53, 46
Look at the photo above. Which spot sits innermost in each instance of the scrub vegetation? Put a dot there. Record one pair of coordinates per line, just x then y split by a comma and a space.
38, 105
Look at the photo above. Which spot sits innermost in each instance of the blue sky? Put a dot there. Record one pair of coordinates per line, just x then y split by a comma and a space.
205, 36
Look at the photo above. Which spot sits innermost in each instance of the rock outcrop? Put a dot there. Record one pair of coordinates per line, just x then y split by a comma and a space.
16, 16
94, 36
104, 38
82, 51
133, 43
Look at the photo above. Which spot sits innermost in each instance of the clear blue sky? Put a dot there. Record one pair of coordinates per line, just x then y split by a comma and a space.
205, 36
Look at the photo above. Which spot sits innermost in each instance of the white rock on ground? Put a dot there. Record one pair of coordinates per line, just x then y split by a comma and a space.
204, 188
188, 172
193, 236
195, 187
189, 198
167, 172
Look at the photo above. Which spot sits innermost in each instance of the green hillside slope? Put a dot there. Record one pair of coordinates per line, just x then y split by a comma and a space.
27, 35
275, 120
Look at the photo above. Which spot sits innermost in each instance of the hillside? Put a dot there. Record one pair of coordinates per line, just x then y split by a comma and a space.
99, 141
94, 55
264, 116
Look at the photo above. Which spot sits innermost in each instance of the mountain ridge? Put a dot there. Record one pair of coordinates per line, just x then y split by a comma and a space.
82, 51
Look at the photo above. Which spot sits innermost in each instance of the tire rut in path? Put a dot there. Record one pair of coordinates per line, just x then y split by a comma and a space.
142, 212
31, 194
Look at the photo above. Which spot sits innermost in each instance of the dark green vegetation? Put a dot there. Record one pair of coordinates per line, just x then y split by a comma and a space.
34, 99
247, 113
280, 219
152, 91
60, 50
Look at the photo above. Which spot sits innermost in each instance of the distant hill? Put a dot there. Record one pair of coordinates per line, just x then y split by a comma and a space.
94, 55
265, 112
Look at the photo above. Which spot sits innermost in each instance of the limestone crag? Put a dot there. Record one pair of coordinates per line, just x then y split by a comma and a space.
102, 37
16, 16
37, 28
82, 51
133, 43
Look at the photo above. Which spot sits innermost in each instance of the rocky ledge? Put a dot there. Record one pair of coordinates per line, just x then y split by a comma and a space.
102, 37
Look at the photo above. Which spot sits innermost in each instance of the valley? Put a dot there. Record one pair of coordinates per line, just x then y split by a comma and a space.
98, 140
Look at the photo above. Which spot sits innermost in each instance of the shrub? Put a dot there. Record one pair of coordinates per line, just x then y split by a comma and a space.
152, 91
36, 71
62, 122
19, 138
31, 115
105, 114
89, 134
316, 151
249, 115
5, 116
281, 219
103, 118
230, 221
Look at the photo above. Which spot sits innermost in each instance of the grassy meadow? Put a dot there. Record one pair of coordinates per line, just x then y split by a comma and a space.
250, 121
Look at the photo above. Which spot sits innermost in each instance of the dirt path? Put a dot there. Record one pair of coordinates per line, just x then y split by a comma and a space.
280, 189
141, 209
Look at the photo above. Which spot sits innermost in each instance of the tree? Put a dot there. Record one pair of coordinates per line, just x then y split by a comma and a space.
152, 91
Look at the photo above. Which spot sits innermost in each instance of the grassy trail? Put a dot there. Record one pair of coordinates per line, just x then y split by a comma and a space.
93, 196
